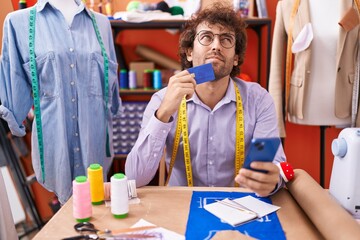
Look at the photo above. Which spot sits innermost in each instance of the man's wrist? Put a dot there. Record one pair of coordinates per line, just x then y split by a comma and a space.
163, 117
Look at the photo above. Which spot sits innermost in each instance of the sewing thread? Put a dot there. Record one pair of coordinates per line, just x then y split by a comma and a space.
119, 196
82, 209
132, 79
95, 175
157, 81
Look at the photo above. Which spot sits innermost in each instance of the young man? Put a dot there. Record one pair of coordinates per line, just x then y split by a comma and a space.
216, 35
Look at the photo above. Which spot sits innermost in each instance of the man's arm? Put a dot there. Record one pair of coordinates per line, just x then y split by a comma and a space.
261, 183
143, 160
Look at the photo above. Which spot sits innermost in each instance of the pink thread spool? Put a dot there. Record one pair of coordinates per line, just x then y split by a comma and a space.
82, 209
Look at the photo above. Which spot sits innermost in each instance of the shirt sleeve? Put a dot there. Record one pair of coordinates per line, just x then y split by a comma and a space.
15, 90
266, 126
143, 160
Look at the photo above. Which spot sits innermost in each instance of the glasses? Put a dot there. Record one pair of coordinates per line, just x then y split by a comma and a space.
205, 38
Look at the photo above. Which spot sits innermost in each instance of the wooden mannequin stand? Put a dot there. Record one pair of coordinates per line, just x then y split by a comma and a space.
322, 154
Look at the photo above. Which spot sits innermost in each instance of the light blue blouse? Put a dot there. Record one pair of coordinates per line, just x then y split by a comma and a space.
70, 71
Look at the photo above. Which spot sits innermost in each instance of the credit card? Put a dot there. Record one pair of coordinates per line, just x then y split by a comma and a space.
203, 73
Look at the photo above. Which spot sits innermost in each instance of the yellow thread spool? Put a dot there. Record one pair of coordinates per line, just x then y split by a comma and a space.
95, 175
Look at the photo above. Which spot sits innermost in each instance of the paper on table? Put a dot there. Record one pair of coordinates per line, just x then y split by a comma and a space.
164, 233
261, 208
236, 217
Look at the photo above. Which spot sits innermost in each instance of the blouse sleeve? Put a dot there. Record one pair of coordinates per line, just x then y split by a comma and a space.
15, 90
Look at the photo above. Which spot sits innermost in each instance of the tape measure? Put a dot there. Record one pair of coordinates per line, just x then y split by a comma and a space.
106, 78
355, 96
35, 89
357, 4
289, 55
182, 128
35, 85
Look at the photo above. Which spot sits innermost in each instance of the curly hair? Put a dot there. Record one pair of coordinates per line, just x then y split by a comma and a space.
220, 14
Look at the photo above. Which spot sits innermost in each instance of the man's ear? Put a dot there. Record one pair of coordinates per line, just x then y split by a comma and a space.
189, 54
236, 60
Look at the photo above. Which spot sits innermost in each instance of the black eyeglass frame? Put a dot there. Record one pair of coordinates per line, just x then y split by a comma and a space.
214, 34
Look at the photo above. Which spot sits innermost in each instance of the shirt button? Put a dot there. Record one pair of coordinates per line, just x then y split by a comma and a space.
211, 138
76, 134
77, 165
73, 117
71, 49
73, 100
155, 155
72, 83
72, 65
210, 162
163, 131
77, 149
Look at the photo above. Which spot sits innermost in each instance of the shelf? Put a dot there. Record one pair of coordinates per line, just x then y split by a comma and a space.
138, 91
255, 24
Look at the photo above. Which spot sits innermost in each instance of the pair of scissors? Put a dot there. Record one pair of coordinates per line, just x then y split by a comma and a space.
87, 230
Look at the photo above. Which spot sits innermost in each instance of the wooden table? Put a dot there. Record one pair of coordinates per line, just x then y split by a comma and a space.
168, 207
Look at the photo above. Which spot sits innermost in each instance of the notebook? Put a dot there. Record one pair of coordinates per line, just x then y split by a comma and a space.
240, 210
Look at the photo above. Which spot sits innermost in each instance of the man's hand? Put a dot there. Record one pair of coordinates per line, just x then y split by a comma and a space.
181, 84
261, 183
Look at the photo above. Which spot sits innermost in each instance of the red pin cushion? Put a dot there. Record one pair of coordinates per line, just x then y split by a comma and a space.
286, 171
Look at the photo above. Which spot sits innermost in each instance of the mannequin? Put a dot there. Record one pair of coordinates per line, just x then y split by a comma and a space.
324, 64
67, 7
76, 108
7, 227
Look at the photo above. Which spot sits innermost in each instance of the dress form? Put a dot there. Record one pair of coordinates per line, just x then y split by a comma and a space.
319, 103
67, 7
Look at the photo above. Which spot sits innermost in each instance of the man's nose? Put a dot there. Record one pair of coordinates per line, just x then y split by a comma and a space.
215, 45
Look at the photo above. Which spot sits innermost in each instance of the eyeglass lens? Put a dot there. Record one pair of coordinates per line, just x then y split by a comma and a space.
205, 38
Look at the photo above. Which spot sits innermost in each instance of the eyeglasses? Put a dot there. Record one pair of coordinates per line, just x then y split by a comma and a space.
205, 38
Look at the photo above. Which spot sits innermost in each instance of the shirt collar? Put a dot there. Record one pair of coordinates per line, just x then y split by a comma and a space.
40, 5
229, 95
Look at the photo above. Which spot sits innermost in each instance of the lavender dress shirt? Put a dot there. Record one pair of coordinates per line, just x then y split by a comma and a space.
211, 137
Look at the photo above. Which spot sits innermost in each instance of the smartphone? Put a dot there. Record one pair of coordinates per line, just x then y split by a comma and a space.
263, 150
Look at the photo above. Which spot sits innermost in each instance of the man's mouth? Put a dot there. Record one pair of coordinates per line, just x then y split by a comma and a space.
214, 57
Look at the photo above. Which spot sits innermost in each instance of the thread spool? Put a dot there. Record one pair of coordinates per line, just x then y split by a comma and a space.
22, 4
132, 79
157, 81
100, 7
124, 81
108, 8
95, 175
147, 79
119, 196
82, 210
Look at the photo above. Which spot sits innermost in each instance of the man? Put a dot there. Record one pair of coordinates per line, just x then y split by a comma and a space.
216, 35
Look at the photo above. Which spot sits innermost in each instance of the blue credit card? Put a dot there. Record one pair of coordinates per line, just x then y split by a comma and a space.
203, 73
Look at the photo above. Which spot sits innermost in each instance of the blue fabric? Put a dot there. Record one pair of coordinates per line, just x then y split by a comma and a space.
204, 225
70, 71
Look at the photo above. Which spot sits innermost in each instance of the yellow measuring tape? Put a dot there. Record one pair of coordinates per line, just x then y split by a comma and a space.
182, 127
289, 54
357, 3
